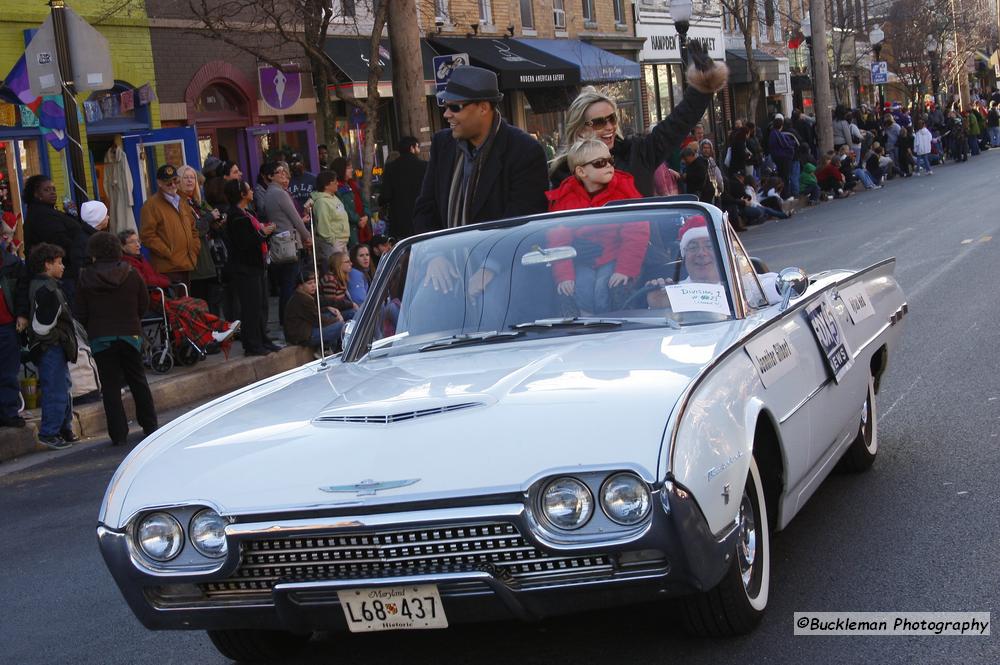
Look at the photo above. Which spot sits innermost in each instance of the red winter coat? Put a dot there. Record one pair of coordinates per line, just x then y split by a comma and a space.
625, 244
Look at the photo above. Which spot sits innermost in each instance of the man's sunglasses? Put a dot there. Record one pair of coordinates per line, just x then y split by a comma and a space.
601, 163
599, 123
454, 107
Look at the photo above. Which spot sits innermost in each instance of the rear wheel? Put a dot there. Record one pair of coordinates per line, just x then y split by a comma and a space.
862, 451
736, 605
257, 646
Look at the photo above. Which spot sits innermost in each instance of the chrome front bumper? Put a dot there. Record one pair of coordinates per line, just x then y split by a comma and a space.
674, 555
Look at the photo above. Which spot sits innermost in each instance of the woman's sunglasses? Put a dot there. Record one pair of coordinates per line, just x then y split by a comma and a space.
599, 123
601, 163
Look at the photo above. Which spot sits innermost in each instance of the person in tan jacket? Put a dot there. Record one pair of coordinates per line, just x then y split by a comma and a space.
167, 228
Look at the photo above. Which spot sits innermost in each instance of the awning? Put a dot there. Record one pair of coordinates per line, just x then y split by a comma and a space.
596, 65
516, 64
736, 60
352, 55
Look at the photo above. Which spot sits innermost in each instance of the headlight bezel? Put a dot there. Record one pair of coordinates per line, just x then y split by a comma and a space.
640, 483
221, 554
181, 539
545, 513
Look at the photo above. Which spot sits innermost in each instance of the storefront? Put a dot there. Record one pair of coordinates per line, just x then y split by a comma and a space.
611, 74
663, 80
741, 80
531, 79
22, 155
352, 57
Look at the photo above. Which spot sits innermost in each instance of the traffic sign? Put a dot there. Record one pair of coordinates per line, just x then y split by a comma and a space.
444, 65
880, 72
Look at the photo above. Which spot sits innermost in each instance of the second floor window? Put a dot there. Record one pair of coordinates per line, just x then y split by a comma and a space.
619, 13
559, 14
527, 15
486, 12
440, 9
588, 10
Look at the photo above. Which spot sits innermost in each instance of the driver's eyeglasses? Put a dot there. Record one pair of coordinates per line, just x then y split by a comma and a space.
599, 123
700, 246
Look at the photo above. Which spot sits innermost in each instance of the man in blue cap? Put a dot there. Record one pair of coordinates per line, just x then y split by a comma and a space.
481, 168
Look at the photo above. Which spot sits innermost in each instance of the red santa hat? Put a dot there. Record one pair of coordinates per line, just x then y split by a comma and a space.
694, 228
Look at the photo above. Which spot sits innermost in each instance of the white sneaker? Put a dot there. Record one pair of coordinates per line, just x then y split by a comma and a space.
221, 337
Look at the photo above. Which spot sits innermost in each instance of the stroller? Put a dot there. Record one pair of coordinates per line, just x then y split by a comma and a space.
164, 345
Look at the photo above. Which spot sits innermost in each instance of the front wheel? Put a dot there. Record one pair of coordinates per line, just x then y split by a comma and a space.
257, 646
861, 453
736, 605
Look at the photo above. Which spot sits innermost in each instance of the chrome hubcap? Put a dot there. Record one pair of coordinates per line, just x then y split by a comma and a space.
746, 548
864, 414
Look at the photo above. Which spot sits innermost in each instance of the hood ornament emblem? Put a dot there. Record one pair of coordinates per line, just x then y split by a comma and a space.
369, 487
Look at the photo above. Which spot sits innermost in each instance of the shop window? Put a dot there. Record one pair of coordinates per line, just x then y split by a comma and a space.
116, 111
218, 99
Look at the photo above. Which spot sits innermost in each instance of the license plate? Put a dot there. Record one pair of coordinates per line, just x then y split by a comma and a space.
393, 608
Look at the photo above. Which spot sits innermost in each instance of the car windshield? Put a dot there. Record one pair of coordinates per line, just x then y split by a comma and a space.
574, 274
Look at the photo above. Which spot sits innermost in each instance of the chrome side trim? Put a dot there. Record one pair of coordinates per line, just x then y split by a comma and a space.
682, 403
801, 404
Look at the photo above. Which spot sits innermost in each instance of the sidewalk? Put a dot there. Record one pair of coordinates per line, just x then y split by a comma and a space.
180, 387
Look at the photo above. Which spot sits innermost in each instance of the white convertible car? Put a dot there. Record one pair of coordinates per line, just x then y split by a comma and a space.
530, 417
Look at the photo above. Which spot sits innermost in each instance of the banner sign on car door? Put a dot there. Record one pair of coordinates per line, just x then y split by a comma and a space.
830, 336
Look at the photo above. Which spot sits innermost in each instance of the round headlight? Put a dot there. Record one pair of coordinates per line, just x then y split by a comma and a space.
208, 533
160, 536
567, 503
625, 499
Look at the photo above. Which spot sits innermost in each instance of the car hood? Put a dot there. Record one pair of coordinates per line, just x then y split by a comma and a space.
466, 421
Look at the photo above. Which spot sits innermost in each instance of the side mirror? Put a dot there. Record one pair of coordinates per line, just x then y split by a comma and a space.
792, 283
345, 333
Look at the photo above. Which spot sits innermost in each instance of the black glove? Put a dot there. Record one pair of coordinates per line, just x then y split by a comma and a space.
698, 57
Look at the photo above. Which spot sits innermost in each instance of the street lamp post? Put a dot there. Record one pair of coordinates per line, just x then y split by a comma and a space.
875, 37
680, 11
932, 51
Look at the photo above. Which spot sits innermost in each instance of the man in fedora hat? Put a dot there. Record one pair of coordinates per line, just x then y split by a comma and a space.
481, 168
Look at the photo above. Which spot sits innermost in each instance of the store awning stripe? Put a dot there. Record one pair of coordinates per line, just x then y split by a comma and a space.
517, 65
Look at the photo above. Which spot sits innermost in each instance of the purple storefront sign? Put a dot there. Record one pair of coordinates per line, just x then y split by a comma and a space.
280, 89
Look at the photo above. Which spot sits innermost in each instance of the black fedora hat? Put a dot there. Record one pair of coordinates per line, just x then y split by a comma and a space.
470, 84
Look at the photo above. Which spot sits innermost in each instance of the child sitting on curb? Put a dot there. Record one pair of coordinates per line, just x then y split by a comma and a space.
608, 256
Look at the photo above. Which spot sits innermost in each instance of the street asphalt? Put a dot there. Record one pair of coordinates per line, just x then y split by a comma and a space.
918, 532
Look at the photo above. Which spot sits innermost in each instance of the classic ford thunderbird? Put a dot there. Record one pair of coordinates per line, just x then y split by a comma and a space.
529, 417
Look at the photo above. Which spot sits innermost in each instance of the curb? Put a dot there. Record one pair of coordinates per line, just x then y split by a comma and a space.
169, 393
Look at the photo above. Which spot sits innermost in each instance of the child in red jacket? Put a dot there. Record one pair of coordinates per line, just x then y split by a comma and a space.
609, 256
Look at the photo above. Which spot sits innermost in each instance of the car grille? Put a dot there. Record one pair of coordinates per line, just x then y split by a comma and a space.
497, 548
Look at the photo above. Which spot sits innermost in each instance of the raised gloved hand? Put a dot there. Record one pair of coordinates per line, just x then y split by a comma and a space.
704, 74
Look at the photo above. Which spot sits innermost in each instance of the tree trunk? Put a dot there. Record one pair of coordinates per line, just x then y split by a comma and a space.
408, 72
821, 73
754, 99
370, 106
324, 107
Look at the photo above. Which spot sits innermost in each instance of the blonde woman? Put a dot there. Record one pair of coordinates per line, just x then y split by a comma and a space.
205, 278
595, 115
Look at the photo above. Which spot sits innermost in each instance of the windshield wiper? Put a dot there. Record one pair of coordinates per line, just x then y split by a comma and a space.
468, 338
570, 322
